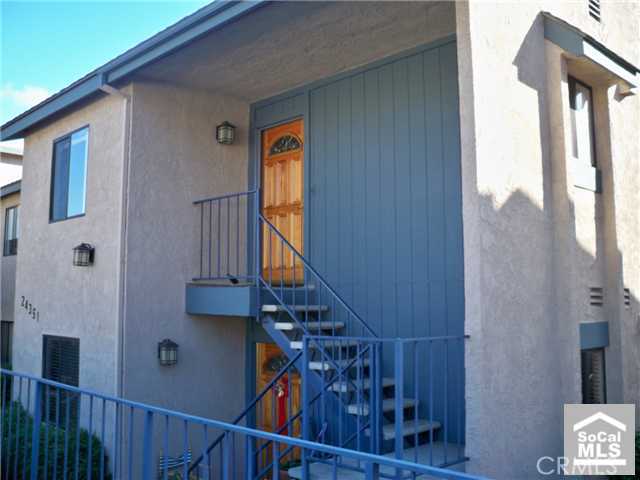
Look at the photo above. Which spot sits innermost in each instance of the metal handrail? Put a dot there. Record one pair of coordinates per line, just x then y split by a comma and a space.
223, 197
153, 414
318, 276
283, 371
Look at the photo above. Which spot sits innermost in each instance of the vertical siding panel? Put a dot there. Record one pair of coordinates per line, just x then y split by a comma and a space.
417, 219
345, 227
358, 181
330, 235
316, 213
402, 187
388, 198
435, 188
453, 228
453, 192
373, 197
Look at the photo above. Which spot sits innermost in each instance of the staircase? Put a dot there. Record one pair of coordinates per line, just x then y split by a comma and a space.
349, 400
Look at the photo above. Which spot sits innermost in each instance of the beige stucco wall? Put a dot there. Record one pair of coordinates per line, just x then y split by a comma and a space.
7, 264
534, 243
73, 301
174, 161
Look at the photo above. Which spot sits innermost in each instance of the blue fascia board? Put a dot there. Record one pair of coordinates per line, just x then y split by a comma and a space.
594, 335
10, 188
579, 44
177, 36
220, 300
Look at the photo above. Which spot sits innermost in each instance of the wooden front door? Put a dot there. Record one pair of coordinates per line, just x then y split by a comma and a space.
283, 199
281, 403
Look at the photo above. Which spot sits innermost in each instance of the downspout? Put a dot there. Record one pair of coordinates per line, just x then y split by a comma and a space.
122, 268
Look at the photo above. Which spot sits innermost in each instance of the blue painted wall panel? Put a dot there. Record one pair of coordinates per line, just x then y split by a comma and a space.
384, 215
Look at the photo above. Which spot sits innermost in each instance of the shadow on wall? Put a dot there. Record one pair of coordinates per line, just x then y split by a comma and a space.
523, 363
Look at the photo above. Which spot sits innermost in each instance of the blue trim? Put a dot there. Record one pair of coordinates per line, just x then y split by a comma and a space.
169, 40
594, 335
10, 188
220, 300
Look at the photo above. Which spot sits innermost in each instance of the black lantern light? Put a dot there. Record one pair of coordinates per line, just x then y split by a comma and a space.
225, 133
167, 352
83, 255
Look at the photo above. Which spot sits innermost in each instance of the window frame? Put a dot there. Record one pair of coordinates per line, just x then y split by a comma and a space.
6, 250
53, 173
573, 81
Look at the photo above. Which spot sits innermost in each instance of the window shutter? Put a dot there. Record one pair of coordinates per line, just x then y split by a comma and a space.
61, 363
593, 376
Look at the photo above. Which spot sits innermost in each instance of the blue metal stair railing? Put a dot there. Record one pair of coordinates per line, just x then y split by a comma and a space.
428, 374
126, 439
251, 412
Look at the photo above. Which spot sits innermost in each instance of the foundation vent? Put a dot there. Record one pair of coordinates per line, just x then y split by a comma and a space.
596, 296
626, 295
594, 9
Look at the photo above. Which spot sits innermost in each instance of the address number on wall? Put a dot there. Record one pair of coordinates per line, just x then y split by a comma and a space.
29, 308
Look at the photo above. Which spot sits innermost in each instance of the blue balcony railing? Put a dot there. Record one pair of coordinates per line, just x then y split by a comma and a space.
226, 236
104, 437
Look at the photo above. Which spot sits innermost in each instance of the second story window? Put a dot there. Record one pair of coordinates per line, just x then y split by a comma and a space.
10, 231
68, 180
582, 130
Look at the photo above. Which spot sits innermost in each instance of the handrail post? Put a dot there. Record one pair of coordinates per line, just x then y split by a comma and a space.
249, 460
399, 401
306, 433
147, 444
257, 253
35, 433
372, 471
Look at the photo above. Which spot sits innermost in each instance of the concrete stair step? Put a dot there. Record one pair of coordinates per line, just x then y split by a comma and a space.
327, 344
388, 405
311, 326
344, 386
295, 308
409, 427
326, 365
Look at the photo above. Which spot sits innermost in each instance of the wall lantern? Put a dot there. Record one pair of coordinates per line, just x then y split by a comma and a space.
167, 352
83, 255
225, 133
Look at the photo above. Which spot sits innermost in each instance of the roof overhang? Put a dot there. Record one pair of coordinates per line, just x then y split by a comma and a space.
580, 45
10, 188
205, 20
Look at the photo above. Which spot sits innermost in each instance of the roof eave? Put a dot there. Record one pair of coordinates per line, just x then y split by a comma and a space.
185, 31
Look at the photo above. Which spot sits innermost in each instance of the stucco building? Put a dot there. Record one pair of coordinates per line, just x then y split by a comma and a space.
437, 169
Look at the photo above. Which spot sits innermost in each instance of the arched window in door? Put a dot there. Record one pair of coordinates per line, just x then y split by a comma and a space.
286, 143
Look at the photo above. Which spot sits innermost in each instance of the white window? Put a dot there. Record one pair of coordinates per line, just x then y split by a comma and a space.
582, 133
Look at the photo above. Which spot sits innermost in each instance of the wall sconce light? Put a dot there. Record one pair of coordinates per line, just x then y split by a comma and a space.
225, 133
83, 255
167, 352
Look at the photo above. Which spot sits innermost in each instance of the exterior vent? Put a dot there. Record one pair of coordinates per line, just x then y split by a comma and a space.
627, 297
594, 9
596, 296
